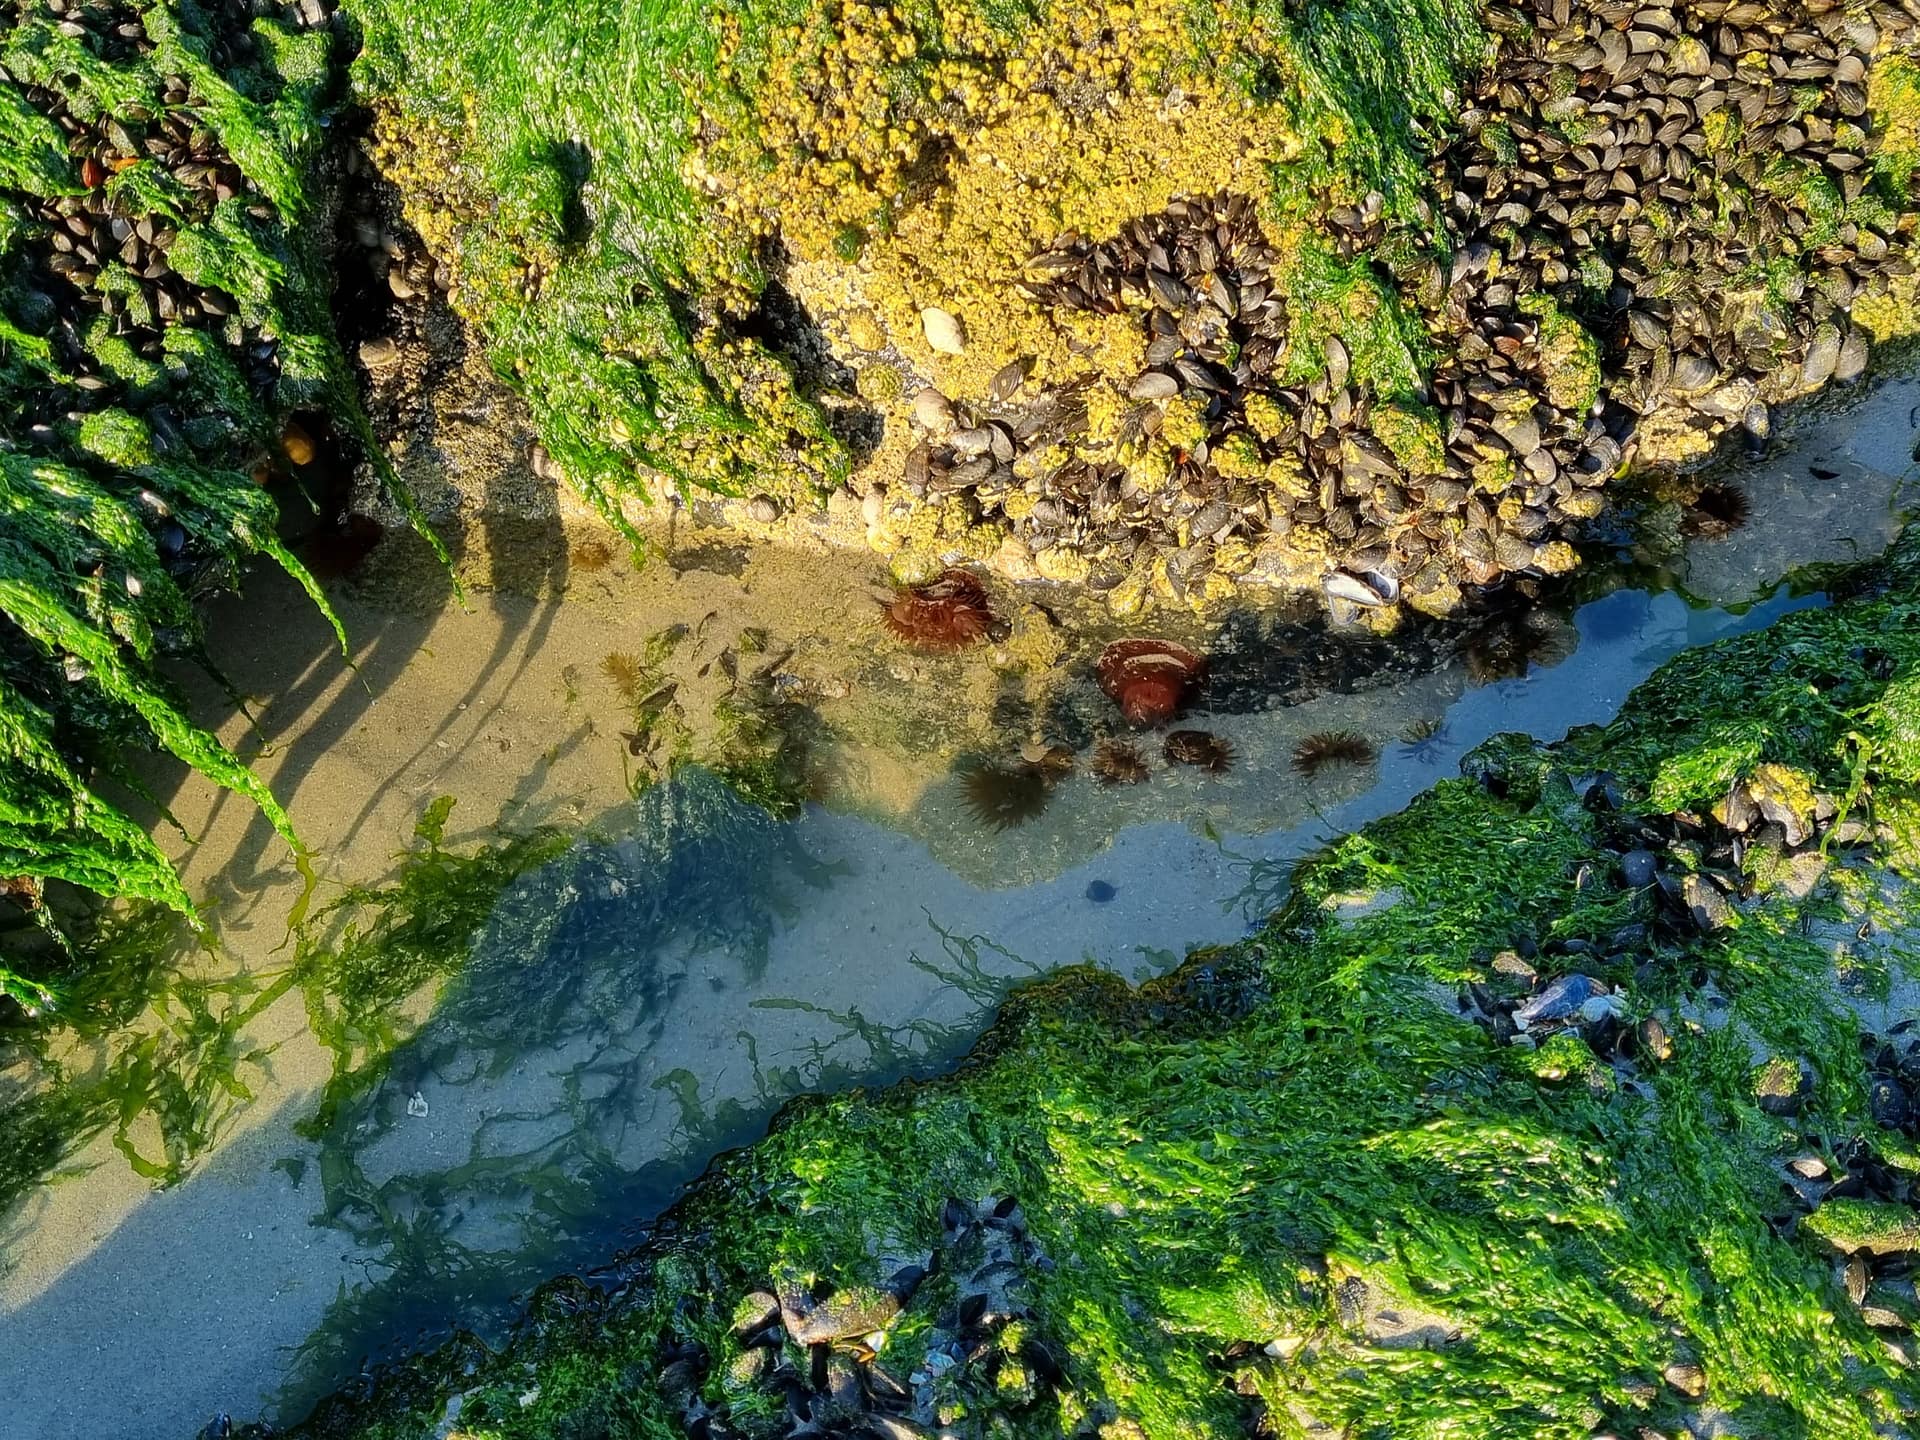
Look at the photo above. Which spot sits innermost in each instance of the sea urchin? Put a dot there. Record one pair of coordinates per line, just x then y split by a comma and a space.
1719, 510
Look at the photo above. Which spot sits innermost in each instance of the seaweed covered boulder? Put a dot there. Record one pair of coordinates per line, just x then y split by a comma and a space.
164, 318
1375, 299
1490, 1128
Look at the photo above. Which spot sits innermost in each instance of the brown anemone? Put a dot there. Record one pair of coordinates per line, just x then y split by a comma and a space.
1149, 680
1119, 762
1201, 749
1333, 750
949, 613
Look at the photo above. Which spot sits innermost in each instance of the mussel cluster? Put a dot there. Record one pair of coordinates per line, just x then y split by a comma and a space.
825, 1363
1691, 180
1657, 221
101, 267
1213, 328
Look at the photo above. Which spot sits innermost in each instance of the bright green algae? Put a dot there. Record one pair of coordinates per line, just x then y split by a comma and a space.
1206, 1159
124, 486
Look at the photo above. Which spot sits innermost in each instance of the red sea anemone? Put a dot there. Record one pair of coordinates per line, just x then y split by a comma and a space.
950, 613
1149, 679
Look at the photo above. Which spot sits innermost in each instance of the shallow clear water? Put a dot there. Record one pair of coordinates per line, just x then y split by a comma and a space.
649, 998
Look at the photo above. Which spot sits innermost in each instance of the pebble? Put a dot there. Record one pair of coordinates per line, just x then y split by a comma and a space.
1602, 1007
379, 353
1100, 892
932, 410
756, 1311
1654, 1039
1637, 868
297, 445
1689, 1380
1705, 903
944, 331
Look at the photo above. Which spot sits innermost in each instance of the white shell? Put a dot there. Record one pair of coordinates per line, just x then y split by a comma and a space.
944, 331
1372, 590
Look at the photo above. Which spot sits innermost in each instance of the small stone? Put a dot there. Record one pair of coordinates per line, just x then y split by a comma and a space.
1602, 1007
1854, 1276
932, 411
763, 510
1653, 1039
1689, 1379
417, 1106
1100, 892
1509, 963
379, 353
1705, 903
944, 331
1637, 868
297, 445
851, 1312
755, 1311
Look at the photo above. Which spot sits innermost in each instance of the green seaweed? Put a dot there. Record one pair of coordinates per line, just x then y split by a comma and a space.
145, 450
1214, 1162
